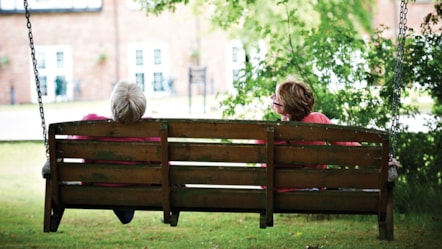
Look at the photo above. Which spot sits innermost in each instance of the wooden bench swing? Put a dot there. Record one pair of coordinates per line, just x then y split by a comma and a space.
216, 166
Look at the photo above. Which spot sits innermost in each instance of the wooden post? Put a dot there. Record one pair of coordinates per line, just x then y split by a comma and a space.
384, 192
270, 170
165, 174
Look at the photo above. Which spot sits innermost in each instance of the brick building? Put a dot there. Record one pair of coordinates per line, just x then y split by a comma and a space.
84, 46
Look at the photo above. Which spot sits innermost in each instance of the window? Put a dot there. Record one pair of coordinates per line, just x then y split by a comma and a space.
55, 73
60, 59
139, 57
149, 67
43, 85
16, 6
139, 79
157, 56
235, 59
158, 81
235, 51
41, 60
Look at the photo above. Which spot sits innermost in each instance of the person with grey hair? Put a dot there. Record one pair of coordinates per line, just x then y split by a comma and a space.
128, 102
128, 105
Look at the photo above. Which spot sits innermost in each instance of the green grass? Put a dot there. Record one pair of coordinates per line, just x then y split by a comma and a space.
21, 221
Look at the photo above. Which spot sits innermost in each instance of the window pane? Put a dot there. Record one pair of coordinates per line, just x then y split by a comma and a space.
139, 79
43, 85
157, 56
139, 57
235, 54
41, 60
60, 60
158, 81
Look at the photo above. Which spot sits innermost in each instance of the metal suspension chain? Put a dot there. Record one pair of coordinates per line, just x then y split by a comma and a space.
398, 78
37, 80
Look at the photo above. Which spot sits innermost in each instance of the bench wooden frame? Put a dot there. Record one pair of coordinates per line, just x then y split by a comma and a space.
202, 153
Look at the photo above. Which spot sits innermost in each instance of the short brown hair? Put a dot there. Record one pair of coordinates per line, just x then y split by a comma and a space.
297, 99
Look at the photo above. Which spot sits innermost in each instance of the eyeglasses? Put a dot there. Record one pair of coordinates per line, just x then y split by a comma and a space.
273, 97
278, 104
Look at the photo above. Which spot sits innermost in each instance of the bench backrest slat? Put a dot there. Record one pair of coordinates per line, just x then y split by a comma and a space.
110, 173
107, 128
233, 129
221, 175
90, 197
212, 199
209, 152
224, 129
321, 132
106, 150
328, 201
330, 178
238, 129
333, 155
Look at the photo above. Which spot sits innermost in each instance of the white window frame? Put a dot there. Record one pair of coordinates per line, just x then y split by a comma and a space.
148, 67
235, 62
51, 71
51, 4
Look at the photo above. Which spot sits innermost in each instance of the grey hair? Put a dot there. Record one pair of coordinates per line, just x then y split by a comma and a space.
128, 102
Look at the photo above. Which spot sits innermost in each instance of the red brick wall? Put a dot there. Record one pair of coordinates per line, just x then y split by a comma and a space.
87, 33
91, 34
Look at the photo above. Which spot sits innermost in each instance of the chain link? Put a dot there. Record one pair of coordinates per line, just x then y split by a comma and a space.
37, 79
394, 129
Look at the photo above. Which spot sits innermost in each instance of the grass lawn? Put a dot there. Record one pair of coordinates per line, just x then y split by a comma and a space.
21, 222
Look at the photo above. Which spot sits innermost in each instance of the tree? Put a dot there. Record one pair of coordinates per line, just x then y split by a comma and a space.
328, 44
425, 56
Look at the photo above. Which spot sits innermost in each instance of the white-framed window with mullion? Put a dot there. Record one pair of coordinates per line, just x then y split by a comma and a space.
149, 67
55, 73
